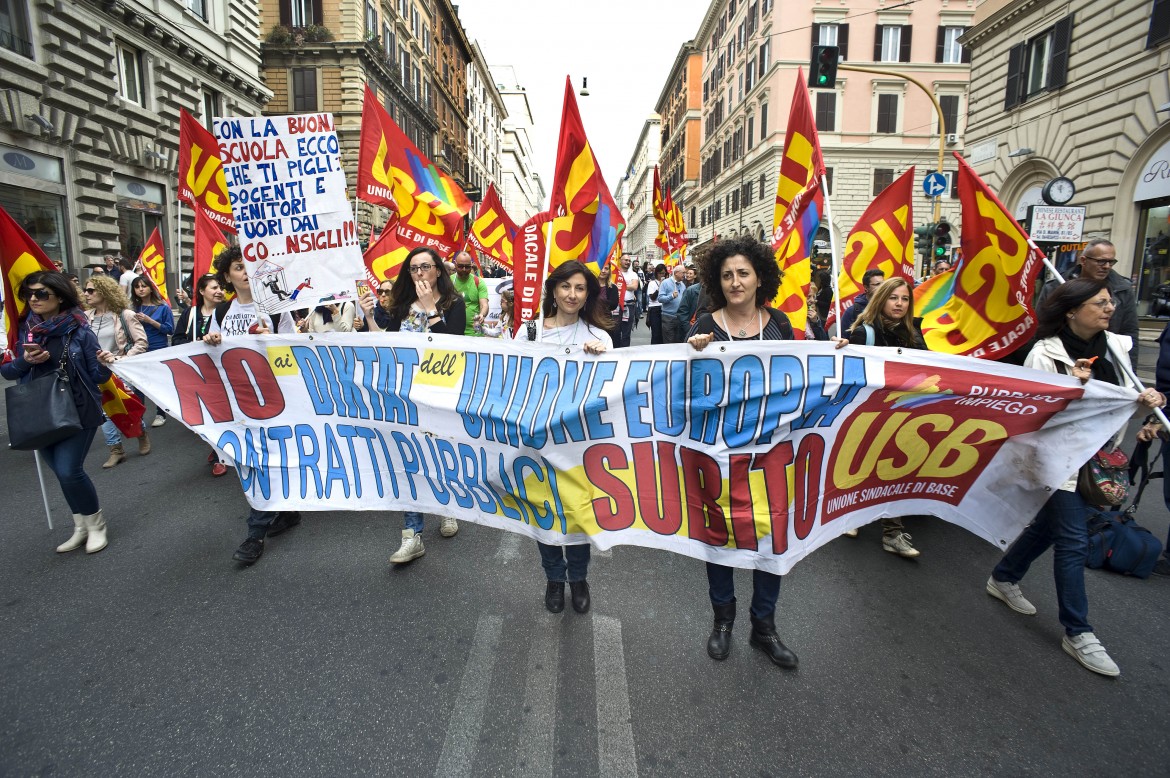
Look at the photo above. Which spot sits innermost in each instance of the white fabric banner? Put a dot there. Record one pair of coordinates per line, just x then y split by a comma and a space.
745, 454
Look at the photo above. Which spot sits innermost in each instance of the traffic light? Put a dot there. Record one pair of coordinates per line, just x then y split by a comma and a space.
924, 240
942, 241
822, 70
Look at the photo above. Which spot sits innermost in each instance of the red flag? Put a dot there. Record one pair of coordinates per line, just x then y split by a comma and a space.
209, 242
586, 220
615, 261
152, 264
882, 240
799, 205
19, 257
528, 269
201, 179
394, 173
658, 206
385, 256
121, 407
988, 311
493, 231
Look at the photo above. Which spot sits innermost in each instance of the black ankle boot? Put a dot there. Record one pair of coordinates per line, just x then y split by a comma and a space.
719, 644
579, 593
764, 637
554, 596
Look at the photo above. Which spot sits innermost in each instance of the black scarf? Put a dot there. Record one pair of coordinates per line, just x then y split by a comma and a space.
1095, 346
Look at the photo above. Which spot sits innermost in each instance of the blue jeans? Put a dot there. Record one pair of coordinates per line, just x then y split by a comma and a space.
765, 589
1061, 524
66, 459
412, 520
259, 522
112, 434
559, 560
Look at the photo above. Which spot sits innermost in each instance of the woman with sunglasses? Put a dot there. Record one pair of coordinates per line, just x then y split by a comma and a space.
157, 320
54, 330
424, 300
120, 334
376, 308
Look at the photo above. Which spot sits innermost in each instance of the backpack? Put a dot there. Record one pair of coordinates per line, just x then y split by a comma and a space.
222, 309
1119, 544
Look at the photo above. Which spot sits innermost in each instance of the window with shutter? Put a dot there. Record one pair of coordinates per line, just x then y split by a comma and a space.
826, 112
887, 118
882, 177
950, 109
1159, 24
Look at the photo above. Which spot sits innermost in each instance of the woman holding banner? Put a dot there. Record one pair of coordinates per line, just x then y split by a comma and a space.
119, 334
157, 319
888, 320
575, 314
741, 277
193, 324
424, 299
1072, 340
53, 332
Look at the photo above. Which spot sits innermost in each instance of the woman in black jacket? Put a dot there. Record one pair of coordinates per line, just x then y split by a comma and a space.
55, 331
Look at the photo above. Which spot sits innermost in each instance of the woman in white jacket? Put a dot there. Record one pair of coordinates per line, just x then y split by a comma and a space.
1072, 340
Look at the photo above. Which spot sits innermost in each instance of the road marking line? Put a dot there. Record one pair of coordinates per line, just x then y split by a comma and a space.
509, 547
464, 727
615, 734
539, 715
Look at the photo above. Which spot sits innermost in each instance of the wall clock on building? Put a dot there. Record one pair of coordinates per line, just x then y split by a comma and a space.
1058, 191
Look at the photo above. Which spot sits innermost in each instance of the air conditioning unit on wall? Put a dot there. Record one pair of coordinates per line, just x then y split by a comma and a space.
952, 138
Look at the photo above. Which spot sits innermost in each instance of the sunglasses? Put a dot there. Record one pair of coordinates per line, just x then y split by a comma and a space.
39, 294
89, 290
383, 291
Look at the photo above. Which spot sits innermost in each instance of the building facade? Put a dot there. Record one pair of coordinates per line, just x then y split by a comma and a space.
520, 186
681, 106
1066, 91
319, 57
638, 194
90, 94
872, 127
452, 52
485, 123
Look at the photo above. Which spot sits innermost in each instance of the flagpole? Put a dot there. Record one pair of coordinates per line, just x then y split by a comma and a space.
833, 253
179, 246
1117, 354
44, 494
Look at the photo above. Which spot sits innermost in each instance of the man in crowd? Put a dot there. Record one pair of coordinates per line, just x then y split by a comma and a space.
1096, 262
474, 291
633, 284
870, 281
670, 295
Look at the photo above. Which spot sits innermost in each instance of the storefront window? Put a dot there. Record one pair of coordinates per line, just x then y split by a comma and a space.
1154, 249
140, 211
30, 186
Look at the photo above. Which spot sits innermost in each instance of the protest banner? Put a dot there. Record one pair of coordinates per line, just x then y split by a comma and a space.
745, 454
287, 192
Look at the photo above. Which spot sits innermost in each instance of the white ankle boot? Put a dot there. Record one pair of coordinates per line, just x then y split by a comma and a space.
96, 524
77, 540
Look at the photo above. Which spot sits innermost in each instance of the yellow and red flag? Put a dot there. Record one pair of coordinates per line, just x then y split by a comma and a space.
152, 264
983, 306
394, 173
121, 407
385, 256
201, 180
493, 230
586, 221
615, 262
676, 231
19, 257
658, 206
799, 205
882, 239
209, 242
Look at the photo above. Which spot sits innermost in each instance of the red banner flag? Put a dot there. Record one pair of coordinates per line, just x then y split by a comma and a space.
19, 256
209, 242
394, 173
528, 269
493, 231
988, 311
586, 220
385, 256
121, 407
799, 205
658, 206
152, 264
615, 272
201, 180
882, 239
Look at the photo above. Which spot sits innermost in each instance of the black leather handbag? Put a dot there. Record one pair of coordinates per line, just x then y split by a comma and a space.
42, 411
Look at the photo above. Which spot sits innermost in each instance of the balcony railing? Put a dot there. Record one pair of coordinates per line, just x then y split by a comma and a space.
15, 44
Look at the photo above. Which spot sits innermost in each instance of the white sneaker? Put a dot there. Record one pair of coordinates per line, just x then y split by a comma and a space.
900, 544
1086, 649
158, 421
448, 527
1010, 594
411, 548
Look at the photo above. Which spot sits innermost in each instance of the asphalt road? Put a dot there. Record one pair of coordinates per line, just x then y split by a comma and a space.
160, 656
